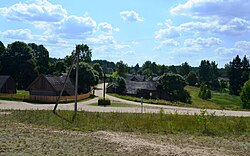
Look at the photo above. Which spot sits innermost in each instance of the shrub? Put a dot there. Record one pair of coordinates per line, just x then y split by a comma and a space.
204, 92
245, 95
103, 102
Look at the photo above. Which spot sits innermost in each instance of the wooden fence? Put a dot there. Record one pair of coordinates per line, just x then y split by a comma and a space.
46, 99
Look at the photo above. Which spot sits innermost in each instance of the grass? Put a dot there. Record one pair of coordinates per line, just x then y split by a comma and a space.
218, 101
158, 123
114, 104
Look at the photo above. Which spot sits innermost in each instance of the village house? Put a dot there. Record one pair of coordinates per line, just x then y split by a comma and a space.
137, 85
7, 85
47, 85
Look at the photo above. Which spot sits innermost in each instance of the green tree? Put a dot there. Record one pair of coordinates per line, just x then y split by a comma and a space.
173, 86
98, 68
87, 77
204, 92
85, 53
121, 68
245, 95
235, 74
191, 78
204, 72
119, 83
2, 53
21, 64
60, 68
41, 55
184, 69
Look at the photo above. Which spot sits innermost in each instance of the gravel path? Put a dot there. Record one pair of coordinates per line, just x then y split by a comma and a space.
150, 108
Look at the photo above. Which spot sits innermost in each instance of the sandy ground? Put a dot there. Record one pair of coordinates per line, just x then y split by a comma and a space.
149, 108
21, 139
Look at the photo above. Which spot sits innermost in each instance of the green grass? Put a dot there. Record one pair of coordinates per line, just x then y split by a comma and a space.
23, 92
158, 123
115, 104
218, 101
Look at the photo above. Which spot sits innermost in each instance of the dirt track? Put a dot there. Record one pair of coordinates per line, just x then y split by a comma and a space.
150, 108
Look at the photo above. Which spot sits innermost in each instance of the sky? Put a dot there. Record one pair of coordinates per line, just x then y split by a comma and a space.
167, 32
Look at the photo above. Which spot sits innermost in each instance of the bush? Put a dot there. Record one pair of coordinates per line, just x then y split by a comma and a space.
245, 95
191, 78
103, 102
204, 92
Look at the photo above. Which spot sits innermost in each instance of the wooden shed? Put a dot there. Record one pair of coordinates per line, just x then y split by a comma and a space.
7, 85
47, 85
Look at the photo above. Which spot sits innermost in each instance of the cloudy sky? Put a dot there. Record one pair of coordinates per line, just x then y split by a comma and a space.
165, 31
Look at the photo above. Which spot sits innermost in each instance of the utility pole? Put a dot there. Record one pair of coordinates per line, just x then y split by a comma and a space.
104, 79
76, 81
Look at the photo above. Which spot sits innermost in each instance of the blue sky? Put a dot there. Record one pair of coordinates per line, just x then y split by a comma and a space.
167, 32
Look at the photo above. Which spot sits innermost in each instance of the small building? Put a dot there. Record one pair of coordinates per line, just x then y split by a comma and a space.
47, 85
137, 78
7, 85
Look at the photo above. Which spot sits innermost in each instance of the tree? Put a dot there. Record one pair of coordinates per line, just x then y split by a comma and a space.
238, 72
245, 95
20, 64
204, 72
121, 69
137, 68
2, 53
119, 83
184, 69
98, 68
41, 56
85, 53
60, 67
87, 77
191, 78
173, 86
204, 92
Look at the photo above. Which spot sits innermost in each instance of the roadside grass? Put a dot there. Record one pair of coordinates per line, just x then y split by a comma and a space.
218, 101
19, 96
158, 123
114, 104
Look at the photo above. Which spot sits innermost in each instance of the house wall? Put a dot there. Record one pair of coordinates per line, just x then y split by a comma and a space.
146, 94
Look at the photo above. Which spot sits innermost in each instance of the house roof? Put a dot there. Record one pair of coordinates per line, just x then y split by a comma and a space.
56, 83
138, 78
133, 86
3, 79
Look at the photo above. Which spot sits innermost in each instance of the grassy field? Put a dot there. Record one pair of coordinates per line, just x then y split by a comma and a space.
42, 132
218, 101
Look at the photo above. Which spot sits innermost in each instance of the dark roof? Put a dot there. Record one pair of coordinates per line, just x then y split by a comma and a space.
133, 86
56, 83
138, 78
3, 79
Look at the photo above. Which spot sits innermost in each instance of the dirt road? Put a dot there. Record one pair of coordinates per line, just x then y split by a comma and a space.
149, 108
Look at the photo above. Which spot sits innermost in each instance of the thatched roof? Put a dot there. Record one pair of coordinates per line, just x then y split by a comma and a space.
133, 86
3, 80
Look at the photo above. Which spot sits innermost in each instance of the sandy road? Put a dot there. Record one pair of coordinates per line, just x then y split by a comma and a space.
150, 108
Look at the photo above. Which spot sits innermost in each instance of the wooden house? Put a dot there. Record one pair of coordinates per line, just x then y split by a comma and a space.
7, 85
47, 85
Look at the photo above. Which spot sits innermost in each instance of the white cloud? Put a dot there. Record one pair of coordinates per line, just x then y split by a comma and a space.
74, 27
223, 9
169, 32
105, 27
167, 42
240, 48
203, 42
131, 16
41, 10
18, 34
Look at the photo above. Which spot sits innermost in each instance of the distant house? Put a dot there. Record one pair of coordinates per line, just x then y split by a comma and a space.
226, 79
137, 85
47, 85
7, 85
138, 78
146, 89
